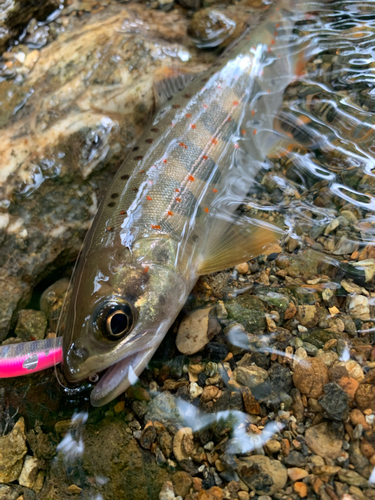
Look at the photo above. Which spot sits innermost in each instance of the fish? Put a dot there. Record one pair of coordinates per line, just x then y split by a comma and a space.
169, 215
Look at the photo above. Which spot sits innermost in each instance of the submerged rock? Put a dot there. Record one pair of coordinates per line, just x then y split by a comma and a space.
262, 475
31, 325
12, 450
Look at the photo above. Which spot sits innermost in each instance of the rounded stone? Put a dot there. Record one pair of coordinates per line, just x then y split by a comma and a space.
250, 376
323, 440
195, 331
310, 376
262, 475
365, 397
182, 482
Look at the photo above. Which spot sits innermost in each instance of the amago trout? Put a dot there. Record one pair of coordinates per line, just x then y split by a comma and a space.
168, 215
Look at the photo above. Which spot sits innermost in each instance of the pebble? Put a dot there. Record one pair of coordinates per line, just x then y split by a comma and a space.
196, 330
358, 307
12, 450
365, 397
357, 417
250, 376
273, 446
183, 444
243, 268
29, 472
243, 495
262, 474
307, 315
31, 325
310, 376
349, 385
335, 401
353, 368
300, 489
295, 473
167, 492
353, 478
323, 440
194, 390
182, 482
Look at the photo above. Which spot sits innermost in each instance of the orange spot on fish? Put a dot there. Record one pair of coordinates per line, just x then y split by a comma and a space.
277, 25
177, 190
183, 145
269, 91
170, 213
206, 210
229, 119
255, 131
188, 115
214, 190
273, 42
141, 171
243, 132
269, 50
149, 198
253, 112
178, 200
235, 103
205, 157
145, 269
214, 141
123, 212
109, 229
165, 161
193, 126
191, 178
219, 87
155, 226
275, 33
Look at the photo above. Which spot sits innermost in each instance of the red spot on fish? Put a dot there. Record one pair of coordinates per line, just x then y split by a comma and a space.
183, 145
177, 190
255, 131
145, 269
229, 119
269, 91
178, 200
269, 50
154, 130
165, 161
273, 42
176, 106
172, 124
206, 210
214, 190
235, 103
277, 25
191, 178
214, 141
275, 33
149, 141
138, 158
32, 337
188, 115
141, 171
109, 229
243, 132
253, 112
205, 106
205, 157
148, 198
170, 213
187, 96
193, 126
123, 212
219, 87
155, 226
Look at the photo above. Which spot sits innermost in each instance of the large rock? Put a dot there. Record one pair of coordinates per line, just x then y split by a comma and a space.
310, 376
66, 127
12, 450
324, 440
112, 465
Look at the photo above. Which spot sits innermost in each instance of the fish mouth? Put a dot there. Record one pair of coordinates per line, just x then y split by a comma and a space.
120, 376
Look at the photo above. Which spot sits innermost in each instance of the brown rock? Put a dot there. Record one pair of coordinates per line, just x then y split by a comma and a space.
242, 268
182, 482
365, 397
295, 473
262, 474
196, 330
349, 384
307, 315
183, 444
291, 311
323, 440
300, 489
310, 376
357, 417
209, 393
251, 404
367, 449
148, 436
12, 450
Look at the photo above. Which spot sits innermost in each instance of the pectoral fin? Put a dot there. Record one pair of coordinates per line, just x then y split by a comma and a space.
229, 244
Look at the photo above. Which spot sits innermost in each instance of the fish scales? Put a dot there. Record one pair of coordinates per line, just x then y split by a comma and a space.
155, 231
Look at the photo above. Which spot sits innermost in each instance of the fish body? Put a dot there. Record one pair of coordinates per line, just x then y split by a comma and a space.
168, 215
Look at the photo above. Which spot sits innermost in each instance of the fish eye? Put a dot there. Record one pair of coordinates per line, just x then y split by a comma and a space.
116, 320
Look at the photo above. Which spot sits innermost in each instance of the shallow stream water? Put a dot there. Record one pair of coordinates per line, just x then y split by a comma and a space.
279, 399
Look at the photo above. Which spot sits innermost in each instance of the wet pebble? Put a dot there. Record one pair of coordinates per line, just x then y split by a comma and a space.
196, 330
324, 440
12, 450
310, 376
31, 325
262, 474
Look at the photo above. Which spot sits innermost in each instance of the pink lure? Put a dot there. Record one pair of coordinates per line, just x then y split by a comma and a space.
29, 357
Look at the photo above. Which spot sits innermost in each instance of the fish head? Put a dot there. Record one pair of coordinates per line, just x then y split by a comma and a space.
120, 305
